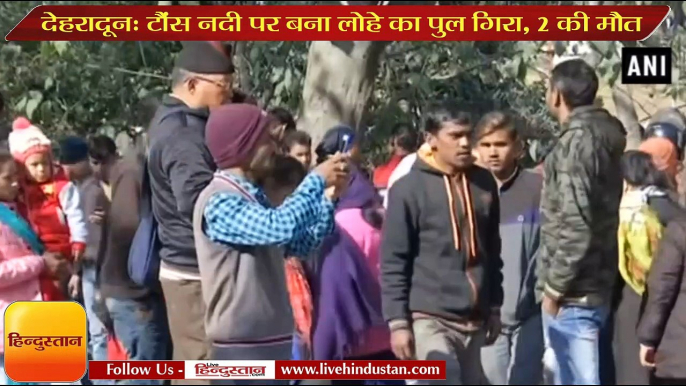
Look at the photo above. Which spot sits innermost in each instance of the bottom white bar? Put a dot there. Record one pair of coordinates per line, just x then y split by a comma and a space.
254, 370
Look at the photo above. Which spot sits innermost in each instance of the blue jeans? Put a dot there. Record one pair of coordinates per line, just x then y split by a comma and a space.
516, 358
97, 343
572, 344
141, 326
300, 351
296, 354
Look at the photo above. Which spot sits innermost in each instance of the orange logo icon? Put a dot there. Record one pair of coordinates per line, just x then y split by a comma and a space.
45, 342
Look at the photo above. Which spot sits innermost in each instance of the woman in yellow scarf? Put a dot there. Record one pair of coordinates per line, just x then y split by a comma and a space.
645, 209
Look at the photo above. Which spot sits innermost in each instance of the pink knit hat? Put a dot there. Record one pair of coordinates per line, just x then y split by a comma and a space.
27, 139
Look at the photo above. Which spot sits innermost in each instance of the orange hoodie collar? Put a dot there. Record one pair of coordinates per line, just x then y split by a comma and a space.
426, 154
461, 187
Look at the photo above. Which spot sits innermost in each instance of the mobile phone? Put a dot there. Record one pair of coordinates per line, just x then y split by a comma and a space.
346, 146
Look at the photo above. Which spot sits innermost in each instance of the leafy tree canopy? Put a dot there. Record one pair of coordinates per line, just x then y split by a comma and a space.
88, 87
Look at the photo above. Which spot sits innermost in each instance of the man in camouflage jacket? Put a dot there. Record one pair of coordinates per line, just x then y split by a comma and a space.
579, 214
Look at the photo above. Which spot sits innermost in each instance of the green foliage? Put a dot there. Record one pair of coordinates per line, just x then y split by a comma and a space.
80, 87
84, 87
677, 90
277, 70
478, 77
671, 33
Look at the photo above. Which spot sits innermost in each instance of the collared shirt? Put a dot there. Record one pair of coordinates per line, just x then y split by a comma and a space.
299, 224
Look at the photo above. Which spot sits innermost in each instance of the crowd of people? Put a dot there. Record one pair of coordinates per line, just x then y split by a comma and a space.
218, 238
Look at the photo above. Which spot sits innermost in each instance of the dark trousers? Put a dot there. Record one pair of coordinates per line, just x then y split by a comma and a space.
626, 345
606, 352
186, 316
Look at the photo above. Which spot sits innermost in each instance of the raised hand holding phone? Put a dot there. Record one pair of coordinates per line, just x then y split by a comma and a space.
333, 169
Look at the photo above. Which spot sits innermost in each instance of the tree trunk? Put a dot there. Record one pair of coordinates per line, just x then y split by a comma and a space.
240, 50
625, 109
339, 83
626, 113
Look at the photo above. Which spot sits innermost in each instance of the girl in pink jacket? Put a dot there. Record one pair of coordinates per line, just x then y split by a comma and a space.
21, 252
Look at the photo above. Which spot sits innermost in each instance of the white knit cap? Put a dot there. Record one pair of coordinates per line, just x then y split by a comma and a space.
27, 139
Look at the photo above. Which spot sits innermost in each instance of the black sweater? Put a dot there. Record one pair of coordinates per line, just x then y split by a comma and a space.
663, 324
180, 167
426, 263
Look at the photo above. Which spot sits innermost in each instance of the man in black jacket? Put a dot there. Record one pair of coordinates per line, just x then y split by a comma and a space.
582, 189
441, 267
180, 167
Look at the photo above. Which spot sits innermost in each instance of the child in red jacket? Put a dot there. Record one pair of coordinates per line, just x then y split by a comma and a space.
48, 201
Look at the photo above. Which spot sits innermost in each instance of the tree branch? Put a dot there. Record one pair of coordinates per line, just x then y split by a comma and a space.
269, 93
626, 113
140, 49
125, 71
678, 12
243, 67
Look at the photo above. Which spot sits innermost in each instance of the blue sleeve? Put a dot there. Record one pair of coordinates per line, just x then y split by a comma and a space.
233, 219
311, 238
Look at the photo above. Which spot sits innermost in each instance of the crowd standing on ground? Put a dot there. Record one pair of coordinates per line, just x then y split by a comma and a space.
217, 237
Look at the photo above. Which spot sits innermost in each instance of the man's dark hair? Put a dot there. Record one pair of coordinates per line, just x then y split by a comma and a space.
406, 137
442, 113
284, 117
102, 148
2, 104
496, 121
287, 172
639, 170
297, 137
576, 81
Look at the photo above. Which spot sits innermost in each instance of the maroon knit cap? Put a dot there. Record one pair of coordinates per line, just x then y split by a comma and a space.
233, 131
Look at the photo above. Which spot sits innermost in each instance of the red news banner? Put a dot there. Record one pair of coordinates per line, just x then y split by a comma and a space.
339, 23
256, 370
